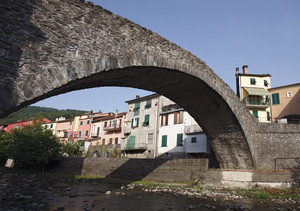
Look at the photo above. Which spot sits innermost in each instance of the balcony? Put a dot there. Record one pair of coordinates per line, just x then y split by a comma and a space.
192, 129
257, 102
134, 146
95, 134
112, 128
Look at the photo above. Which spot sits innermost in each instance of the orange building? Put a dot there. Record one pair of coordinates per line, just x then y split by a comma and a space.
286, 104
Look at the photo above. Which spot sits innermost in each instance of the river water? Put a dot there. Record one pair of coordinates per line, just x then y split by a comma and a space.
20, 192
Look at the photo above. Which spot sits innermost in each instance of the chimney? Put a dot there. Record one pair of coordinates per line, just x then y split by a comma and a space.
237, 71
245, 69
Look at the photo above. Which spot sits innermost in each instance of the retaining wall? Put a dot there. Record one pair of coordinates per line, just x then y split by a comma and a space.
159, 170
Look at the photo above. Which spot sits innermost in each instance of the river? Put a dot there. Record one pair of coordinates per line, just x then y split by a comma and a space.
31, 192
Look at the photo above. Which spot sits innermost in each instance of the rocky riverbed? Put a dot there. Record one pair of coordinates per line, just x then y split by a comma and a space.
31, 192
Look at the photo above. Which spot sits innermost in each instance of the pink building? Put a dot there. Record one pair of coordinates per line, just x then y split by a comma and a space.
84, 128
108, 130
63, 130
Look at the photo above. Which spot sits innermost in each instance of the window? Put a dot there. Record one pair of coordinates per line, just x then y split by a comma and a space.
103, 141
110, 141
178, 117
148, 104
164, 141
105, 124
289, 94
255, 113
79, 133
51, 126
266, 83
81, 122
134, 122
164, 119
136, 109
86, 133
252, 81
194, 140
150, 138
146, 121
116, 140
179, 139
88, 122
98, 131
268, 116
275, 99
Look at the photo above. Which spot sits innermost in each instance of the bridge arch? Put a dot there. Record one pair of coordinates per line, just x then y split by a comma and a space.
49, 47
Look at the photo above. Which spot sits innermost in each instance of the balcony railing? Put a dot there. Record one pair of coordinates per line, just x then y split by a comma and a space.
112, 128
257, 102
135, 146
95, 134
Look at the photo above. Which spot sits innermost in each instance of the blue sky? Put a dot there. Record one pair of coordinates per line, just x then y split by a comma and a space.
265, 35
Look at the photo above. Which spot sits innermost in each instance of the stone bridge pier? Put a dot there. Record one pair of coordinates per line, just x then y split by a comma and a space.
50, 47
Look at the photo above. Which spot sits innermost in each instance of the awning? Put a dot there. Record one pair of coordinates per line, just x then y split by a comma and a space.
256, 91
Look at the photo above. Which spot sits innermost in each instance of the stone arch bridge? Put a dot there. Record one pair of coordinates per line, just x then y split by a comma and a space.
49, 47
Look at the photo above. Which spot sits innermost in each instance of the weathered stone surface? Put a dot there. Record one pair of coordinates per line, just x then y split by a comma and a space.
49, 47
161, 170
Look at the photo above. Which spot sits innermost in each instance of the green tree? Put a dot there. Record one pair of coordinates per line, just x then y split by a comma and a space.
72, 149
34, 146
5, 146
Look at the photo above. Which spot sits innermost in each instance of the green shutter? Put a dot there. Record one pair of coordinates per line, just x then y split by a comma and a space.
137, 122
136, 109
86, 133
255, 113
88, 122
98, 131
179, 139
79, 133
252, 81
268, 116
146, 121
164, 141
275, 99
148, 104
131, 142
81, 123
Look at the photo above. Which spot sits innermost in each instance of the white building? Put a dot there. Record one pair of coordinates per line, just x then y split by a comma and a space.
179, 134
157, 127
252, 89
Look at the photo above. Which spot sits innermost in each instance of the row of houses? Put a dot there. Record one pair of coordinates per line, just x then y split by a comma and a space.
154, 126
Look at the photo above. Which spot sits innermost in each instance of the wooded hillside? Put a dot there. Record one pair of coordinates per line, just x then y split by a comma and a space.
33, 112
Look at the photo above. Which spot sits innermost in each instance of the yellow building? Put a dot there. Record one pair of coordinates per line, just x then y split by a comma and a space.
286, 104
252, 89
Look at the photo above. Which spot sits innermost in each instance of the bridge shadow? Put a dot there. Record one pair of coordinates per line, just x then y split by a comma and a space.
16, 30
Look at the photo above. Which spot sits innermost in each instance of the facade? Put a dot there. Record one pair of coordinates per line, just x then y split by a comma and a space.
141, 127
158, 127
252, 89
50, 126
63, 129
179, 134
286, 104
84, 127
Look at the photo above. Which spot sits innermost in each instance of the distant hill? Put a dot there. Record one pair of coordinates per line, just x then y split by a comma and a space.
33, 112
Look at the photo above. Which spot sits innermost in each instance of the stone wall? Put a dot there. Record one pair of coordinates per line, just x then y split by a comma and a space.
160, 170
277, 146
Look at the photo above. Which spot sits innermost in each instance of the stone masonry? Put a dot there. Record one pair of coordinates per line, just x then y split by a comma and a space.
49, 47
